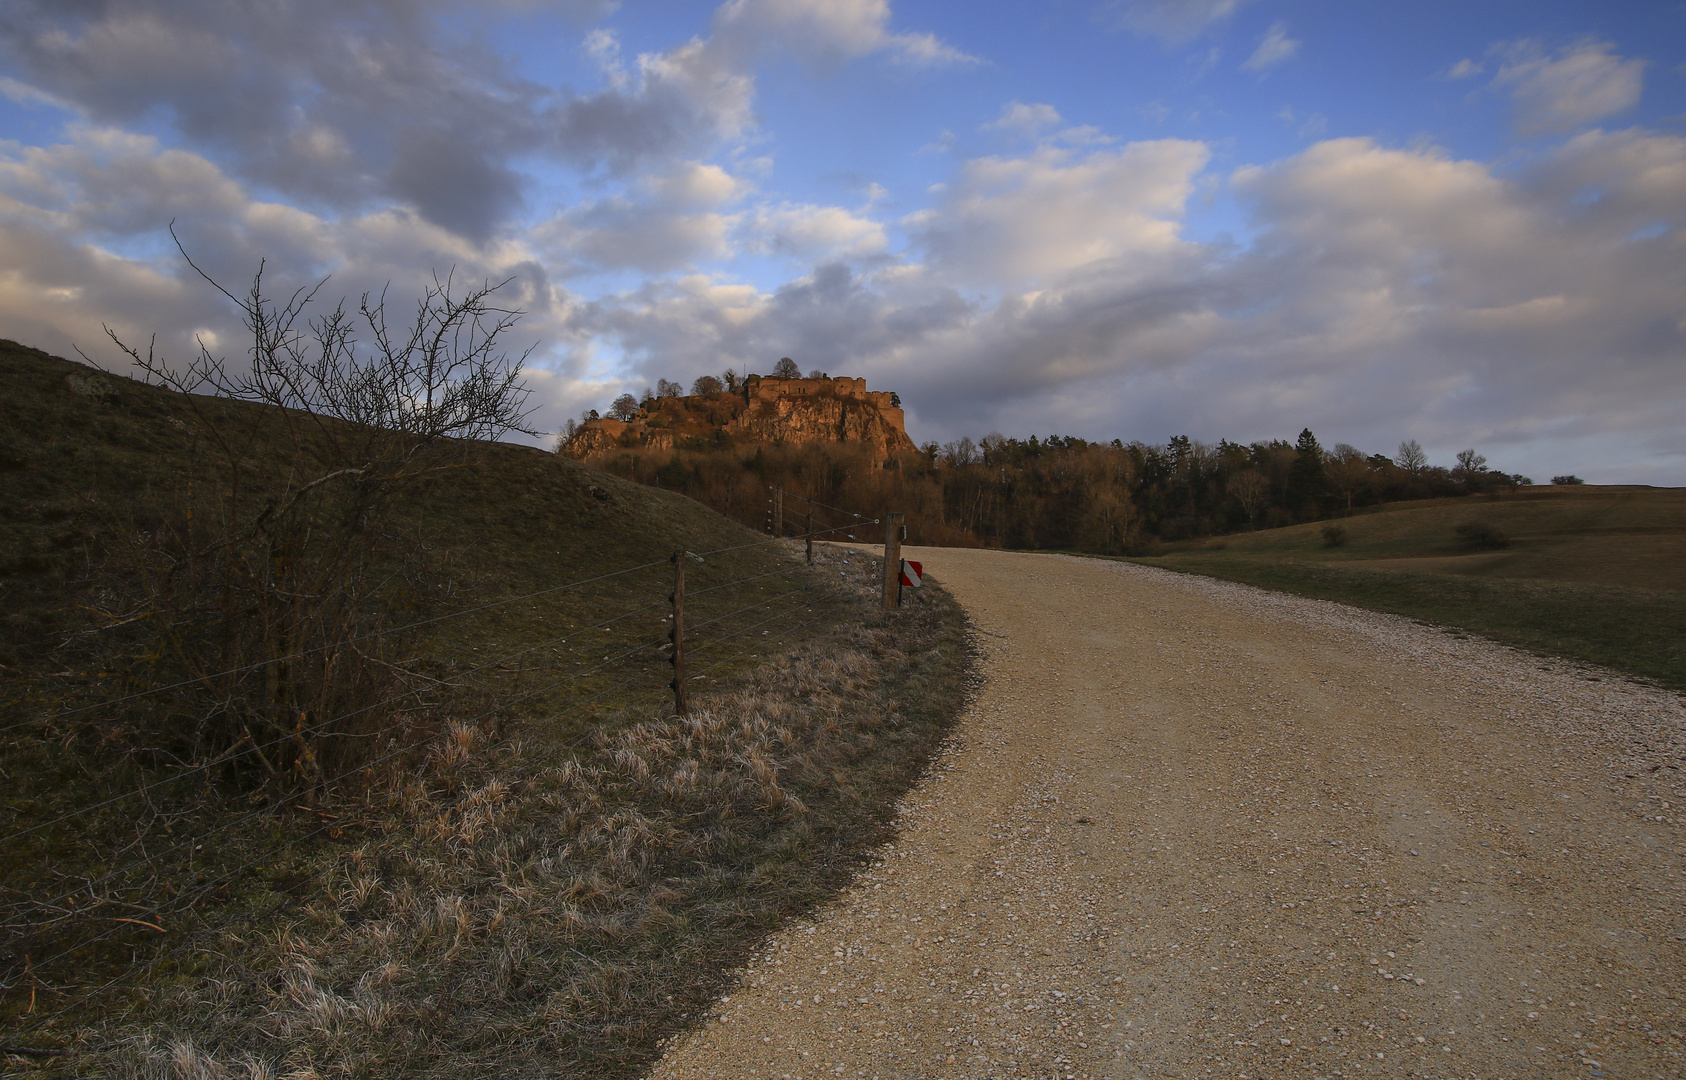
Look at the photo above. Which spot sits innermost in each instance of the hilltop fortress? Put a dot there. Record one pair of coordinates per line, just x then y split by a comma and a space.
764, 409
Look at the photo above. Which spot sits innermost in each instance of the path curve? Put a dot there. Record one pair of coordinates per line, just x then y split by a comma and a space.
1191, 828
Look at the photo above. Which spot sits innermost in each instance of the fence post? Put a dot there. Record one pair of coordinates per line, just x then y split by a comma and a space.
809, 529
892, 560
680, 706
778, 512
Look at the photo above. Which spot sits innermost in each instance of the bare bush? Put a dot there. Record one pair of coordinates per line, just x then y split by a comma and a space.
265, 592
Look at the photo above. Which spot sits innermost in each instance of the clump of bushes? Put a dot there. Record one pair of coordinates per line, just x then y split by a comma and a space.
1571, 479
1333, 535
1483, 534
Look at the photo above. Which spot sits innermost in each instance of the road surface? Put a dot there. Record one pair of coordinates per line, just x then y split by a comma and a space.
1195, 829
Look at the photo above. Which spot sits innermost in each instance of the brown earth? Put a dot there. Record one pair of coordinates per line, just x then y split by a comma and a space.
1191, 828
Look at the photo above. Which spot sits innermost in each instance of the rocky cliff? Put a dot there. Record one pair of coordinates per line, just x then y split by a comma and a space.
789, 412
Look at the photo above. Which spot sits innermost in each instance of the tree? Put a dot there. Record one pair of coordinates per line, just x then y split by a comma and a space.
1567, 480
624, 407
1306, 478
669, 388
1411, 457
647, 398
1348, 472
961, 452
707, 384
731, 378
1470, 466
1250, 489
816, 374
786, 369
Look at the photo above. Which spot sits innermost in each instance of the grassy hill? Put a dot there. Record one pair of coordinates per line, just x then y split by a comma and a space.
1594, 573
509, 676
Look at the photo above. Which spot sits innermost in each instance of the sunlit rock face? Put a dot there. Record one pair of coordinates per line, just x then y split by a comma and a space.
770, 410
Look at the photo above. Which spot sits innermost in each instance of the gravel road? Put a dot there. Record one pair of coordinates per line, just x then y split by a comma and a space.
1191, 828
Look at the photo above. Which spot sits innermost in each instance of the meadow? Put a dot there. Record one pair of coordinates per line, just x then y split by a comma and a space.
510, 854
1589, 572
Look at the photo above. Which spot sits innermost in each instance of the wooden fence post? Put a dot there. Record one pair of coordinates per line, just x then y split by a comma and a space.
809, 529
892, 560
681, 706
778, 512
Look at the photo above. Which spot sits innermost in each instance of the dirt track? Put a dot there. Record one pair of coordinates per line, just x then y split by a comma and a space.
1194, 829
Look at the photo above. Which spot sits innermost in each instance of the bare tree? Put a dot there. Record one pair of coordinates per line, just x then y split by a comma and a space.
786, 369
731, 378
669, 388
1411, 457
1470, 465
1250, 489
707, 384
960, 452
1348, 471
624, 407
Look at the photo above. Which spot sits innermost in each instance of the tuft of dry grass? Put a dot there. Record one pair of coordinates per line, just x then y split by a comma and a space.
542, 907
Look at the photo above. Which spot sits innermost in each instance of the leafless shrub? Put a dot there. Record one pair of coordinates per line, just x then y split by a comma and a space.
265, 590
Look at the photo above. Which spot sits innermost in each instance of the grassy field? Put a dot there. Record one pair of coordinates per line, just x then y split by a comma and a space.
1593, 573
635, 889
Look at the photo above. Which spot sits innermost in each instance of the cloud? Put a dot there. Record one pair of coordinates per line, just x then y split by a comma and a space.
826, 31
818, 233
1465, 69
1004, 222
1577, 86
1274, 48
672, 221
1389, 293
1174, 21
1029, 120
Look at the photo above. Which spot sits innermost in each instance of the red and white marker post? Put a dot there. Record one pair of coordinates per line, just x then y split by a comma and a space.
913, 574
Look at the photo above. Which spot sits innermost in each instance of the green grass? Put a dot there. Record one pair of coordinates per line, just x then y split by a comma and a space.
81, 472
1592, 573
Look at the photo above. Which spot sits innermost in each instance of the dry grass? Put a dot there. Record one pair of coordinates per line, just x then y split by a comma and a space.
83, 476
532, 907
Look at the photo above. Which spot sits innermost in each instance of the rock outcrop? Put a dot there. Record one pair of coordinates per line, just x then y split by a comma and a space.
765, 410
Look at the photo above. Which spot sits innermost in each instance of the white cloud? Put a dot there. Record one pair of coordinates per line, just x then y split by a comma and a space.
1464, 69
1174, 21
1274, 48
1025, 119
1577, 86
817, 233
1005, 222
826, 31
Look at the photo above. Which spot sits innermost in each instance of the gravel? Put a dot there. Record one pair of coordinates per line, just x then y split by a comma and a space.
1193, 828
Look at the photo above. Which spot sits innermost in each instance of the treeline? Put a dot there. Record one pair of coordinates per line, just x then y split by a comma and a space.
1064, 492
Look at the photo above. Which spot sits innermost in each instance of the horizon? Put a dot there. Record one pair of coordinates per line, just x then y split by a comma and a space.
1131, 219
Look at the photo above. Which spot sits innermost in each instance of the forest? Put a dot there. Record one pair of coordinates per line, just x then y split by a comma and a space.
1062, 492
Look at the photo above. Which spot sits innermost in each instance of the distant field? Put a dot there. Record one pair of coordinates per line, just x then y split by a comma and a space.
1593, 573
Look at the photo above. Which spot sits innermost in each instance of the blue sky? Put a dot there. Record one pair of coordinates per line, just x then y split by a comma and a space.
1459, 223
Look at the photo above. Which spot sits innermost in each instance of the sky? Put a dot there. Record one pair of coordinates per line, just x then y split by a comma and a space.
1460, 223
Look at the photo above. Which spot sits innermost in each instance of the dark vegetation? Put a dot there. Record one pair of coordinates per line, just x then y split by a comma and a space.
1594, 573
202, 841
1580, 571
1065, 493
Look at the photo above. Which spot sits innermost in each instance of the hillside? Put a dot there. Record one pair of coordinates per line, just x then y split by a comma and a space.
1596, 573
517, 601
766, 410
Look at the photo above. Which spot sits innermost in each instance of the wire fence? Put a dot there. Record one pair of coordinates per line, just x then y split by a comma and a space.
84, 915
